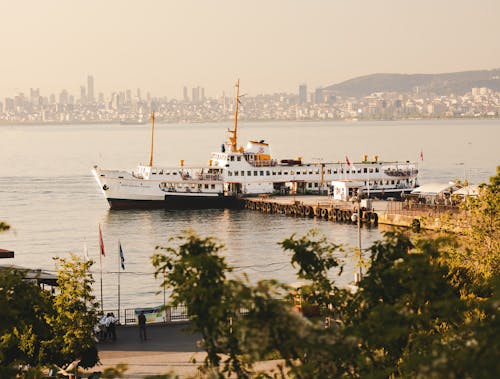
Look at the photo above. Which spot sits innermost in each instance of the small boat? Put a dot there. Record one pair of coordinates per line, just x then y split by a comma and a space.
236, 171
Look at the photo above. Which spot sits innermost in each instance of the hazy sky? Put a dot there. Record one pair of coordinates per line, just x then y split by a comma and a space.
271, 45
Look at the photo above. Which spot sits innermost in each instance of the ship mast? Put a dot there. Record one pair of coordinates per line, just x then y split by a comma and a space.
152, 139
233, 136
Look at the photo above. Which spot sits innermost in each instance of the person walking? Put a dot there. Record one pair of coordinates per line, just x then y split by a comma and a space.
142, 326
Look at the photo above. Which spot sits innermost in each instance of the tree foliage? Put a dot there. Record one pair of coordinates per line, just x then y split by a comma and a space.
407, 319
197, 275
23, 325
473, 254
75, 314
39, 329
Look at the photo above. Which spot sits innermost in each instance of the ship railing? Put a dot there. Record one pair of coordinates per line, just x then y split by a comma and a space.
264, 163
212, 177
401, 172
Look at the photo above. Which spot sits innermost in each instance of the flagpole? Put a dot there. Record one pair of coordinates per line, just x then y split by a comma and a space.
100, 265
100, 268
119, 268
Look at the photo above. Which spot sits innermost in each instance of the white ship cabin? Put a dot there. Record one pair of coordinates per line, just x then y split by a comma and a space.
345, 190
179, 173
251, 171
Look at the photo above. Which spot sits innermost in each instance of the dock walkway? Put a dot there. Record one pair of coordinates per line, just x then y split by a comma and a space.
322, 207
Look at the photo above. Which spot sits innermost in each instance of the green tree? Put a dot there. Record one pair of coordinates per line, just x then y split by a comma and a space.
315, 257
197, 275
23, 325
74, 316
473, 253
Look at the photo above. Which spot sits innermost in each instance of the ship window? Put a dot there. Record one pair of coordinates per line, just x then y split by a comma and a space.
315, 184
392, 181
310, 172
249, 173
206, 186
376, 169
274, 172
342, 171
291, 172
154, 173
365, 170
229, 173
174, 173
329, 171
236, 173
262, 173
298, 172
285, 173
238, 159
279, 172
268, 173
255, 173
231, 158
371, 170
304, 172
317, 171
347, 171
212, 186
243, 173
334, 171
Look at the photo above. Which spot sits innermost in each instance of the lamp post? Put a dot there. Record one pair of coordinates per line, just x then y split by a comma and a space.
359, 275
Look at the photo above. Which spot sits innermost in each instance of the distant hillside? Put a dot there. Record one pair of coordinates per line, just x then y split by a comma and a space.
441, 84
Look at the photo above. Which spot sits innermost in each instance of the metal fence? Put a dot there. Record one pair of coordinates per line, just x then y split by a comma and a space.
418, 209
127, 316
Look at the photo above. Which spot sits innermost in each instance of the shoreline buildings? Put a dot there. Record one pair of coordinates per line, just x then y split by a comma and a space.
321, 104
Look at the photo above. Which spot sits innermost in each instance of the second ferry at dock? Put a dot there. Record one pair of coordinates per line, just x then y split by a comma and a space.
235, 171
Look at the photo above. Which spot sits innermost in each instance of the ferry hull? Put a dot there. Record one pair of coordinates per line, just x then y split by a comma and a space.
177, 202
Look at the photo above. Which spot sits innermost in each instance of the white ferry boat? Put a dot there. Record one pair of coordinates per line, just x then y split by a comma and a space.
235, 172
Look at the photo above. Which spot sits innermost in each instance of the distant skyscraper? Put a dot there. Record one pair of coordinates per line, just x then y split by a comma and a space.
63, 97
202, 94
303, 94
318, 96
195, 96
90, 89
83, 95
185, 94
35, 96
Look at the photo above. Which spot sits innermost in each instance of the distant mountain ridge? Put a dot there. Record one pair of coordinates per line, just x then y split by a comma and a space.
456, 83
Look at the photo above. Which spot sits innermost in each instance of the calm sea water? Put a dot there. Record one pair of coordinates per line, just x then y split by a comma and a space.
50, 199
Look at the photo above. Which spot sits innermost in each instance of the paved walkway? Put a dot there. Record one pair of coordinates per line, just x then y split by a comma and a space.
169, 348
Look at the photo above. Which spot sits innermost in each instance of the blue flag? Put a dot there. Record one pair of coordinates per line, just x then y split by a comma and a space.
122, 258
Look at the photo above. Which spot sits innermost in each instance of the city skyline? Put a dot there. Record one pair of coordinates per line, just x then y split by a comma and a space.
271, 46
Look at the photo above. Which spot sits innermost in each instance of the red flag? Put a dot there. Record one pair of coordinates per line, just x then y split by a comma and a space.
422, 155
347, 161
101, 242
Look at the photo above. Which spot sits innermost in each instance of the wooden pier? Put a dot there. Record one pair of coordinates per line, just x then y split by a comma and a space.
321, 207
393, 213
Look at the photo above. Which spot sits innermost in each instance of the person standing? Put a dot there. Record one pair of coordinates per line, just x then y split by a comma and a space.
112, 326
142, 326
